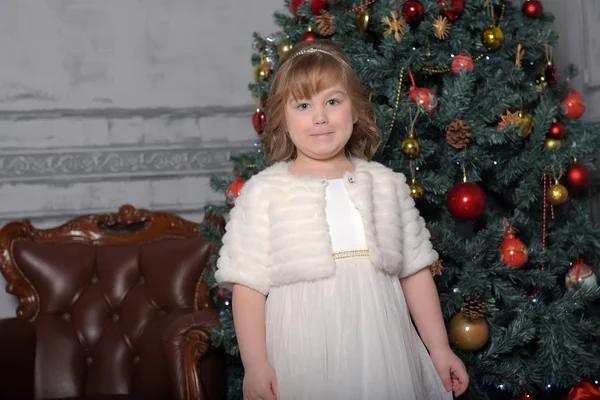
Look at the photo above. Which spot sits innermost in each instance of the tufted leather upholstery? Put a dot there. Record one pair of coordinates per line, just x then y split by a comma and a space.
111, 319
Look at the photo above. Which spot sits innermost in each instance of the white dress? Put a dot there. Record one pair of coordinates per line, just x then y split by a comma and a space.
350, 336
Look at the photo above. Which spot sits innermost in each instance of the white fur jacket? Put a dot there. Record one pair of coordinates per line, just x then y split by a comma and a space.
278, 233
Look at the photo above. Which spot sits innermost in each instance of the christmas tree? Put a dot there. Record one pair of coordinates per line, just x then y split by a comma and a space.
473, 111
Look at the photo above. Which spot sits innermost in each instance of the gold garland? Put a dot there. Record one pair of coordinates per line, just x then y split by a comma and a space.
397, 99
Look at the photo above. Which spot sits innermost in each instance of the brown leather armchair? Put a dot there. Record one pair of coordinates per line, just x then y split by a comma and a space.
111, 307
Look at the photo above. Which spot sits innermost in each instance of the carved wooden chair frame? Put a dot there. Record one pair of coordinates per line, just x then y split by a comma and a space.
107, 229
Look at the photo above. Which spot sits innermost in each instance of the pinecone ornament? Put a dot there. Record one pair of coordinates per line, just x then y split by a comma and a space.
325, 24
473, 309
458, 134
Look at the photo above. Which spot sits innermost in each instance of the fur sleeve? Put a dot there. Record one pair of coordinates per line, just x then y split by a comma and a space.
418, 252
244, 254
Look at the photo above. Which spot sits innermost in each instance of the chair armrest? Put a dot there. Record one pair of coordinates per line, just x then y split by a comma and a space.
17, 358
197, 369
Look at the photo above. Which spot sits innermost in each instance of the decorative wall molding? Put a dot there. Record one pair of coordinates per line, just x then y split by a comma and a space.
173, 113
81, 165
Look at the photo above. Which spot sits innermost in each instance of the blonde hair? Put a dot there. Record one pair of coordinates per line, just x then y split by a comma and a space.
307, 69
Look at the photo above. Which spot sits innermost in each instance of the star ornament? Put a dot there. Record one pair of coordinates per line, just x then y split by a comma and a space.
441, 27
396, 26
436, 268
509, 119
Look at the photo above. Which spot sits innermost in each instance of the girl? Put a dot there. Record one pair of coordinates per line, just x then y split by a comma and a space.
336, 243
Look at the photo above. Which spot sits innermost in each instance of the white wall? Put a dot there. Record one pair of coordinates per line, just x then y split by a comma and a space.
121, 101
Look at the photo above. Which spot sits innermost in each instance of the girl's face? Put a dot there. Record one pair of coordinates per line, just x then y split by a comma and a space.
320, 126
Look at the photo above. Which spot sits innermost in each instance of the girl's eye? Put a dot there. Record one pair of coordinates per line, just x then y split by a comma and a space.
333, 102
302, 106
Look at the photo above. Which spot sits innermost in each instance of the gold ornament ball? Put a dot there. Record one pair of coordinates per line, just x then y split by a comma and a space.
416, 190
262, 71
362, 20
411, 147
540, 80
492, 38
283, 48
526, 123
468, 334
557, 194
551, 143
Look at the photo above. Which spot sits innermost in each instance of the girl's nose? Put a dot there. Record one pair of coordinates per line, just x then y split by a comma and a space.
319, 116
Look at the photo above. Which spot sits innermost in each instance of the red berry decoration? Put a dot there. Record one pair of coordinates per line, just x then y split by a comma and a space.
413, 11
466, 201
316, 6
233, 191
309, 36
573, 106
551, 74
514, 252
557, 130
454, 11
461, 62
258, 121
577, 176
533, 9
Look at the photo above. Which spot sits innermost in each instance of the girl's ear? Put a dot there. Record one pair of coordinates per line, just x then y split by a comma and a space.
354, 118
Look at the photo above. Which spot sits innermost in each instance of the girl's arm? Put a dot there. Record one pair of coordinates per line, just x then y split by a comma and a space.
249, 320
424, 306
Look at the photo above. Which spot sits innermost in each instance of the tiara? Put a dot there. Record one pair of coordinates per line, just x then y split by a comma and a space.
315, 50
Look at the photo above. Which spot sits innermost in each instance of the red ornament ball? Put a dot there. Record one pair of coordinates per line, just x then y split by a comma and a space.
425, 98
581, 274
223, 294
309, 36
258, 121
466, 201
584, 390
514, 252
533, 9
233, 191
462, 62
454, 11
557, 130
316, 6
526, 396
573, 106
413, 11
577, 176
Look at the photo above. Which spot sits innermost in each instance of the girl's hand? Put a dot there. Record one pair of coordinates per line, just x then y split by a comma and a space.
451, 369
260, 383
